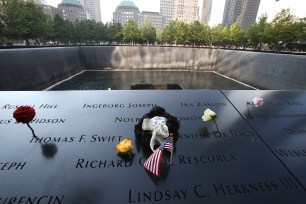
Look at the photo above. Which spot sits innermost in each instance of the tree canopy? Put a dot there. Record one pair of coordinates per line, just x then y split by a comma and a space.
24, 21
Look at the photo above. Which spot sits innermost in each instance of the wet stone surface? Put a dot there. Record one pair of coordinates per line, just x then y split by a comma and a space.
247, 155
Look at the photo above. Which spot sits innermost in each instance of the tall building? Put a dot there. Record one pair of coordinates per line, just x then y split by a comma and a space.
243, 12
125, 11
181, 10
93, 8
166, 11
154, 17
186, 10
206, 11
72, 10
51, 11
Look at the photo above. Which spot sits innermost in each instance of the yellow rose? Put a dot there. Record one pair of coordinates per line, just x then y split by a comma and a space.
209, 115
125, 146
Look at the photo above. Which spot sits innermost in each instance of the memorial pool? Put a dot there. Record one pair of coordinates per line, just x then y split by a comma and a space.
122, 80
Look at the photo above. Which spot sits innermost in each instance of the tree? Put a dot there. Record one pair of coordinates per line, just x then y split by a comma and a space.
131, 32
100, 33
49, 35
148, 32
24, 20
284, 28
216, 35
198, 33
255, 33
166, 35
159, 37
262, 25
59, 29
36, 22
236, 35
85, 31
226, 38
176, 33
114, 32
301, 32
13, 14
182, 32
252, 35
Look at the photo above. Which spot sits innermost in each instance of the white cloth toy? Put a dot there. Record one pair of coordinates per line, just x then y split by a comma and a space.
150, 123
159, 130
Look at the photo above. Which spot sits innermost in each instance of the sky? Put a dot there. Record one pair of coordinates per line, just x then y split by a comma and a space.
269, 7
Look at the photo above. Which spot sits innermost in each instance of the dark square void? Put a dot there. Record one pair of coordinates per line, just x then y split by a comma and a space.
122, 80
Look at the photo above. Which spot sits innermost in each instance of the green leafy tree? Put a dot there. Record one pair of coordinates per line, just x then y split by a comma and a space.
159, 37
253, 35
284, 28
226, 36
49, 35
199, 34
262, 25
195, 31
176, 33
59, 29
171, 33
131, 33
236, 35
216, 35
148, 32
268, 36
2, 23
301, 32
166, 35
69, 32
182, 32
24, 20
36, 22
114, 32
13, 15
85, 31
64, 31
100, 33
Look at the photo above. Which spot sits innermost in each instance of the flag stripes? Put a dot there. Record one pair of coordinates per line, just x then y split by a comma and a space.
153, 163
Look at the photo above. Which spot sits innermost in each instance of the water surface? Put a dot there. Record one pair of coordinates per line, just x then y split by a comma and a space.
122, 80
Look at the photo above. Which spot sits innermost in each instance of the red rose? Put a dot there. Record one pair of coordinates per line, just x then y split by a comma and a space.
24, 114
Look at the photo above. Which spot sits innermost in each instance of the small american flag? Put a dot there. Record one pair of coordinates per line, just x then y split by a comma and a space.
169, 143
153, 162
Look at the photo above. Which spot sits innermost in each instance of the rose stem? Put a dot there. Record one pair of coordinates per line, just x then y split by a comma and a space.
32, 131
216, 124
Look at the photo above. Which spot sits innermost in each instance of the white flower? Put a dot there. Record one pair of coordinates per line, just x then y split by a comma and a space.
258, 101
209, 115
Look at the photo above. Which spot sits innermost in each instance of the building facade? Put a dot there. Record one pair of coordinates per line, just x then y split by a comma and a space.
93, 8
125, 11
72, 10
166, 11
186, 10
181, 10
154, 17
243, 12
206, 11
51, 11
